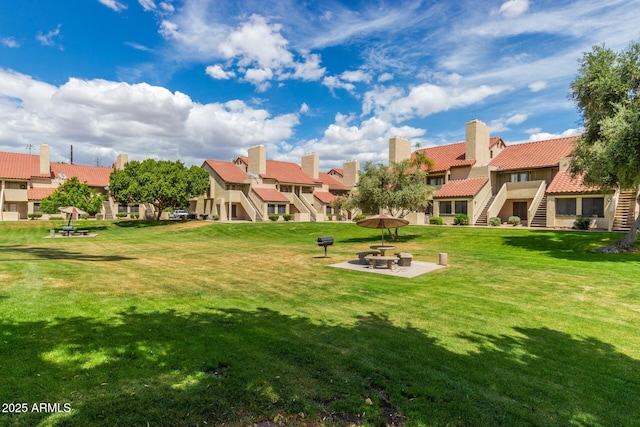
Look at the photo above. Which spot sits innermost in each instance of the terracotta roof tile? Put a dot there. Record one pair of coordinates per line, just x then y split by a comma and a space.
324, 196
270, 195
563, 182
39, 193
228, 171
94, 176
461, 188
333, 183
286, 172
20, 166
446, 156
537, 154
338, 171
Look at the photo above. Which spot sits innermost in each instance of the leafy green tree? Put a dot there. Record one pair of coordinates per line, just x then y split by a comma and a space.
398, 189
346, 203
607, 91
73, 193
163, 183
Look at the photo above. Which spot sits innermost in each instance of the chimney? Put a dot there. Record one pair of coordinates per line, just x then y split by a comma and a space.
477, 143
122, 159
257, 160
45, 160
351, 171
310, 165
399, 149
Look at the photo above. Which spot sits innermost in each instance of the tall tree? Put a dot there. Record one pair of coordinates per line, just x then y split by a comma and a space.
607, 91
73, 193
162, 183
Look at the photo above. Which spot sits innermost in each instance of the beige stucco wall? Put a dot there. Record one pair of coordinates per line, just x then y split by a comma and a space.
566, 221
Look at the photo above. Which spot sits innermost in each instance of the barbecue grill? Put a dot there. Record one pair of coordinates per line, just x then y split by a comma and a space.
325, 241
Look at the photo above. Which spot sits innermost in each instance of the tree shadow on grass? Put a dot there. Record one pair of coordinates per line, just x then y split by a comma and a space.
575, 246
31, 253
240, 367
146, 223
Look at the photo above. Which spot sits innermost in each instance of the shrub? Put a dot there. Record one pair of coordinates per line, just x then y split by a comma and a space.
330, 217
274, 217
135, 216
436, 220
35, 215
461, 219
287, 217
582, 222
99, 216
339, 217
121, 215
215, 217
495, 221
84, 216
514, 220
359, 217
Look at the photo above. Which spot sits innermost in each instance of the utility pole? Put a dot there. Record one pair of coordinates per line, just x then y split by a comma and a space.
29, 147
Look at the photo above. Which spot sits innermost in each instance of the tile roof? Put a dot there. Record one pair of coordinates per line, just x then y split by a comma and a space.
20, 166
324, 196
270, 195
333, 183
537, 154
94, 176
228, 171
39, 193
461, 188
564, 182
451, 155
286, 172
338, 171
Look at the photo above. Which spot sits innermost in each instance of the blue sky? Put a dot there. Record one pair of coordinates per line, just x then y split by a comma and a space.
206, 79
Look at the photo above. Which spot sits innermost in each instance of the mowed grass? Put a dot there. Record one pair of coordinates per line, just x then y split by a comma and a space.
193, 323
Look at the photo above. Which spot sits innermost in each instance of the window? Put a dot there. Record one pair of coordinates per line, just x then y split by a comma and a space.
285, 189
445, 208
271, 209
122, 209
15, 185
461, 207
593, 206
519, 177
36, 208
566, 206
282, 209
436, 180
134, 208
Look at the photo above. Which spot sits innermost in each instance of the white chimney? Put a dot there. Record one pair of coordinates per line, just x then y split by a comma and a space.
257, 160
477, 143
310, 165
399, 149
45, 159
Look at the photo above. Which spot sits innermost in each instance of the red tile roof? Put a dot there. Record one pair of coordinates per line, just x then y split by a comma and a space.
20, 166
270, 195
94, 176
451, 155
228, 171
333, 183
338, 171
285, 172
39, 193
324, 196
563, 182
537, 154
461, 188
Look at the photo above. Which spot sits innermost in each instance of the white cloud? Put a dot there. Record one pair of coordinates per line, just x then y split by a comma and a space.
385, 77
357, 76
9, 42
138, 46
537, 86
514, 8
541, 136
48, 39
333, 82
259, 77
114, 5
304, 108
218, 73
141, 119
502, 124
533, 130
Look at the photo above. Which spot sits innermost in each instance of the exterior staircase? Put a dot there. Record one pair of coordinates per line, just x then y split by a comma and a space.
540, 218
108, 213
625, 211
482, 219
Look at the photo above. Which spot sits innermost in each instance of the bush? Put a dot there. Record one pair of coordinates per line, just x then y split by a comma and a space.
274, 217
330, 217
287, 217
514, 220
84, 216
461, 219
215, 217
99, 216
35, 215
436, 220
359, 217
583, 222
135, 216
495, 221
121, 215
339, 217
55, 218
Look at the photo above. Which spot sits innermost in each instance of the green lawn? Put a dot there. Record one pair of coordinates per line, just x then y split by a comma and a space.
193, 324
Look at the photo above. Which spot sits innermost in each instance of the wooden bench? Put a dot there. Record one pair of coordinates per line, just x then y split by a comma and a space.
373, 261
404, 259
363, 255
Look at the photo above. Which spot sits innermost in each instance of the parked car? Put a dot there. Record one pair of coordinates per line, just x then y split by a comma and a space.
179, 214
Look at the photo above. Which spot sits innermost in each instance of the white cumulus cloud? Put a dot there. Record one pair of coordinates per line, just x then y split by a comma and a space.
114, 5
218, 73
513, 8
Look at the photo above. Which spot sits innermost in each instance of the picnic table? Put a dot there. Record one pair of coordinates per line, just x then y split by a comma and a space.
373, 261
382, 248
